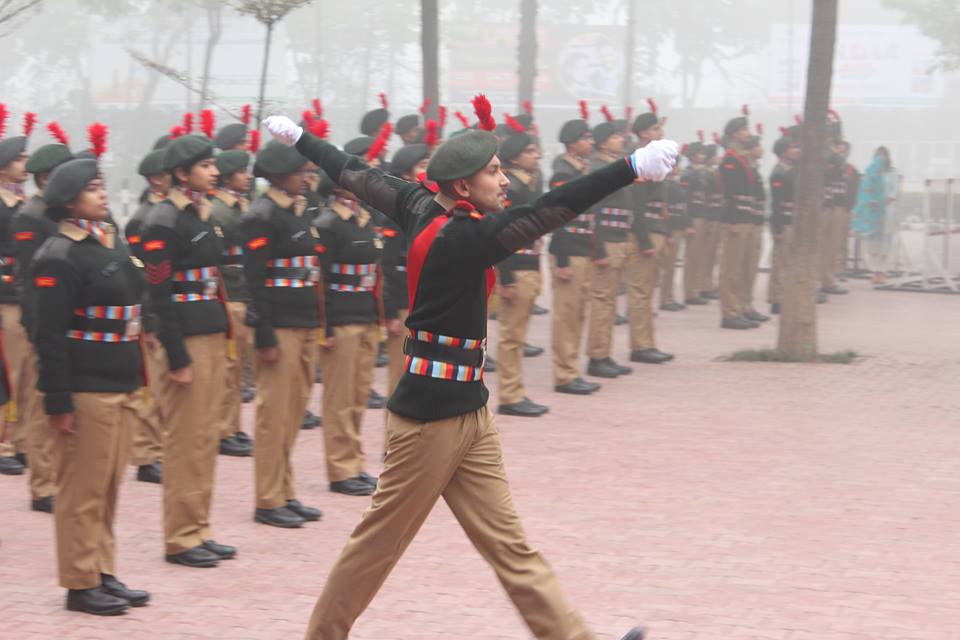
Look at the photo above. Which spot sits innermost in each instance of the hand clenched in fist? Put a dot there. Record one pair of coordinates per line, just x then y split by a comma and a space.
656, 160
283, 129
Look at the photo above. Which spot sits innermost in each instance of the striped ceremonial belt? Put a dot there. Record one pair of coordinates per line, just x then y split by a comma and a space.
196, 275
616, 218
446, 370
209, 277
235, 250
130, 315
296, 262
366, 280
6, 268
577, 227
350, 288
311, 272
352, 269
527, 252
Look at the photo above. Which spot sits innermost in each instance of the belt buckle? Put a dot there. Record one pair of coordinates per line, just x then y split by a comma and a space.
368, 281
132, 328
210, 287
313, 275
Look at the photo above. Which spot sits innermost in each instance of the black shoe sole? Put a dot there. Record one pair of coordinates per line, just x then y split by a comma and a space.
608, 376
194, 565
109, 612
285, 525
354, 494
574, 393
519, 415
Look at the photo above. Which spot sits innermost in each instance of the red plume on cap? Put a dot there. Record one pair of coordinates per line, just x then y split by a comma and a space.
176, 132
628, 113
307, 117
317, 107
652, 104
431, 135
188, 123
463, 119
58, 133
245, 114
383, 100
97, 134
379, 145
484, 111
442, 116
29, 122
700, 135
512, 123
319, 127
717, 139
584, 111
425, 106
527, 107
759, 128
4, 114
745, 110
833, 115
208, 122
798, 119
783, 131
605, 110
254, 145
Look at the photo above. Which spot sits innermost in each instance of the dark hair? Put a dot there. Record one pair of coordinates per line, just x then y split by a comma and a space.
886, 154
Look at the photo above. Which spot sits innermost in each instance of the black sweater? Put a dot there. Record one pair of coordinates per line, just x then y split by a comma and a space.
393, 262
178, 240
739, 189
524, 188
73, 272
451, 258
614, 214
226, 212
697, 181
579, 237
280, 264
677, 208
781, 198
9, 205
31, 227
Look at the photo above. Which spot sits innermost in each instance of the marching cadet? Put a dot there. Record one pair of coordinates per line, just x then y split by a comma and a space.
442, 439
616, 258
835, 223
30, 228
519, 279
696, 179
851, 189
147, 454
283, 278
755, 244
782, 178
233, 137
650, 235
739, 187
229, 204
350, 256
88, 294
409, 129
681, 229
708, 286
182, 254
13, 174
373, 120
573, 248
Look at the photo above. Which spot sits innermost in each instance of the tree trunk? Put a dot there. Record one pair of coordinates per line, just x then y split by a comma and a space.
430, 45
214, 15
798, 318
630, 46
527, 53
263, 74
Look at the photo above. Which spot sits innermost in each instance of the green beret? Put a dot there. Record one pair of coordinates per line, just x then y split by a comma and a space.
373, 120
11, 148
277, 159
48, 157
783, 144
186, 151
406, 124
525, 120
152, 163
644, 121
407, 158
734, 125
603, 131
795, 132
68, 180
358, 146
162, 142
513, 145
622, 125
231, 135
692, 149
573, 130
752, 141
710, 150
462, 156
229, 162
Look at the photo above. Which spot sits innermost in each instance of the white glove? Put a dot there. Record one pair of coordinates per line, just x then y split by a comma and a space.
283, 129
655, 161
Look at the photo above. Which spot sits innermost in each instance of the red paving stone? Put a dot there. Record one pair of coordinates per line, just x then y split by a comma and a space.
704, 498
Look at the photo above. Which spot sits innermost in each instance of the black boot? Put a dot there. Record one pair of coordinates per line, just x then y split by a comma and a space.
248, 394
775, 309
310, 421
96, 601
490, 366
222, 551
352, 487
307, 513
375, 400
538, 310
44, 505
136, 597
369, 479
280, 517
522, 409
197, 557
577, 387
382, 359
649, 356
10, 466
530, 351
152, 472
232, 447
600, 368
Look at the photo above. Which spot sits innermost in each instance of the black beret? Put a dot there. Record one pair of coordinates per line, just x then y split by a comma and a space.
373, 120
152, 163
186, 151
11, 148
162, 142
277, 159
780, 146
603, 131
229, 162
462, 156
525, 120
622, 125
735, 125
48, 157
644, 121
359, 146
406, 124
513, 145
693, 149
231, 135
502, 131
573, 130
406, 158
68, 180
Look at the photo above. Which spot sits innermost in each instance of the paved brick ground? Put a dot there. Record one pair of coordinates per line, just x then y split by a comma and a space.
707, 499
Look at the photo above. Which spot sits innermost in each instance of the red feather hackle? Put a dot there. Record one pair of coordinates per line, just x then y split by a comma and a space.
484, 111
29, 122
833, 115
745, 110
527, 107
512, 123
57, 132
442, 116
245, 115
4, 114
317, 107
176, 132
188, 123
783, 131
759, 128
652, 104
379, 145
254, 144
307, 117
798, 119
431, 135
97, 134
584, 111
208, 122
605, 110
319, 127
463, 119
424, 106
383, 100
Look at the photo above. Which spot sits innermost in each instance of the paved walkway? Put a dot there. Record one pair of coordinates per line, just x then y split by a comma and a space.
707, 499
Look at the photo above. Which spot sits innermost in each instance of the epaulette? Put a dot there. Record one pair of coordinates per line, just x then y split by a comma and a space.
163, 214
54, 248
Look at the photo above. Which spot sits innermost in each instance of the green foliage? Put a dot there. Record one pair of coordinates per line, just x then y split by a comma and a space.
938, 19
774, 355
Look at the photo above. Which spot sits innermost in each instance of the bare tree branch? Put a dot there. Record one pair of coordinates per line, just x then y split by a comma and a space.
11, 9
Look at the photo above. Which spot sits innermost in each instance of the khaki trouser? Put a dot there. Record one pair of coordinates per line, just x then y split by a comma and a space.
712, 255
668, 273
148, 438
775, 290
570, 299
283, 391
16, 349
623, 264
460, 459
229, 419
833, 232
190, 447
648, 272
733, 271
90, 463
514, 319
752, 264
347, 374
695, 259
39, 440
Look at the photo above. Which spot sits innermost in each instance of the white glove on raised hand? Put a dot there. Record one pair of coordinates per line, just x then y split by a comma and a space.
283, 129
655, 161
